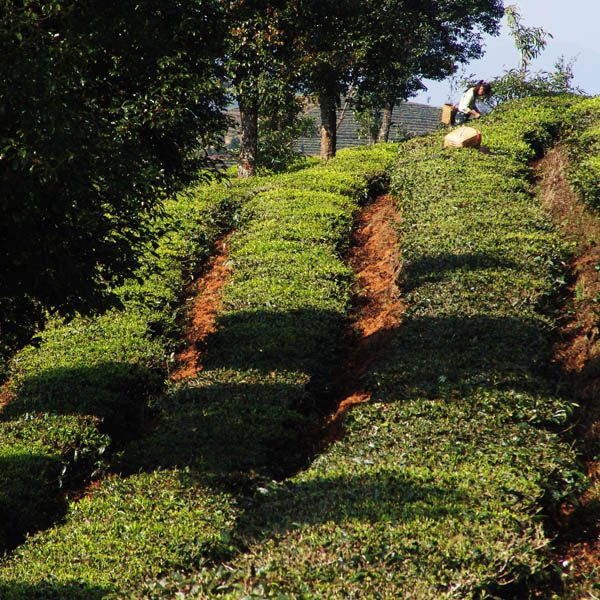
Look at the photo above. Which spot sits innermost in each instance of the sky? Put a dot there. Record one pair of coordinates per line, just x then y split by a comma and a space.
575, 27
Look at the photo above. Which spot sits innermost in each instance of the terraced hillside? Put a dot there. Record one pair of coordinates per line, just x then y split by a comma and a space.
214, 467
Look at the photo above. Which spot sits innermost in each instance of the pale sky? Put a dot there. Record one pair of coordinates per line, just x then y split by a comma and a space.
575, 25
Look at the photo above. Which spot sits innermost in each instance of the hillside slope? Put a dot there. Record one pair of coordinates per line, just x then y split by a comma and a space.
448, 482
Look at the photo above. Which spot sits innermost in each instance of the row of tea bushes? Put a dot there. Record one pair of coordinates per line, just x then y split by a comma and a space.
85, 388
441, 487
173, 503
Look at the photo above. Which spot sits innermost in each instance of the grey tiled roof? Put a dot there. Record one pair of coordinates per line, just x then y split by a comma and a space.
407, 118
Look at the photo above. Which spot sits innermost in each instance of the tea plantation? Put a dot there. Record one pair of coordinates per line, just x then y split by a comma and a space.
119, 483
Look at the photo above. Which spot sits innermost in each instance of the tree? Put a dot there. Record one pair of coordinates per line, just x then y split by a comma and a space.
383, 49
520, 83
323, 48
530, 41
512, 85
259, 59
280, 124
328, 39
103, 109
407, 41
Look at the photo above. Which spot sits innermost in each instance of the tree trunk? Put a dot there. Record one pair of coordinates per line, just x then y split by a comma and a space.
328, 126
249, 141
386, 123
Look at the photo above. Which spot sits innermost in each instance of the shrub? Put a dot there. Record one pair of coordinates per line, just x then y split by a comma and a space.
583, 145
40, 455
124, 531
438, 490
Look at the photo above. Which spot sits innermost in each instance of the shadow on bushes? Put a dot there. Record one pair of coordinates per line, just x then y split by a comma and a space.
33, 487
431, 269
309, 341
119, 393
261, 424
21, 591
228, 432
438, 355
369, 498
30, 498
257, 406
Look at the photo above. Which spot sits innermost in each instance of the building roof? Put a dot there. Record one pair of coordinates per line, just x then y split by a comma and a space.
408, 118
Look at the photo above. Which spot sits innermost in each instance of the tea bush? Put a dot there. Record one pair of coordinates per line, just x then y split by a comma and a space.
583, 145
441, 486
126, 529
270, 366
39, 455
94, 378
244, 418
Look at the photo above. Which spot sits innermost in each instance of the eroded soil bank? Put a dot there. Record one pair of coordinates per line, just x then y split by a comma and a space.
577, 352
204, 304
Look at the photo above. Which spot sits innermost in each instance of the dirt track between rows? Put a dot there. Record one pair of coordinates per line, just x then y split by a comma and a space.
577, 352
376, 310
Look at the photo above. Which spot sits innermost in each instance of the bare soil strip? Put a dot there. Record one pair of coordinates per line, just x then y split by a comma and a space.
377, 311
578, 353
205, 295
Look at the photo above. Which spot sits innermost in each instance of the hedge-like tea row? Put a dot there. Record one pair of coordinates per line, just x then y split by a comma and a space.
266, 371
439, 490
583, 145
269, 366
88, 383
441, 486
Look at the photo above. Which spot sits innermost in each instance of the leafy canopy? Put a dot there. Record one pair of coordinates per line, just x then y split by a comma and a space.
103, 107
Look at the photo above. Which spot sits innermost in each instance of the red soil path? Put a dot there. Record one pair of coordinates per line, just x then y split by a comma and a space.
577, 351
377, 308
375, 258
205, 295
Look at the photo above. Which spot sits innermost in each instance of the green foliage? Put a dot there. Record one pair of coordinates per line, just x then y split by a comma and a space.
403, 43
102, 112
270, 362
518, 83
261, 64
245, 417
524, 129
113, 366
86, 387
41, 454
439, 487
409, 502
277, 134
583, 145
369, 121
124, 531
530, 41
514, 84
